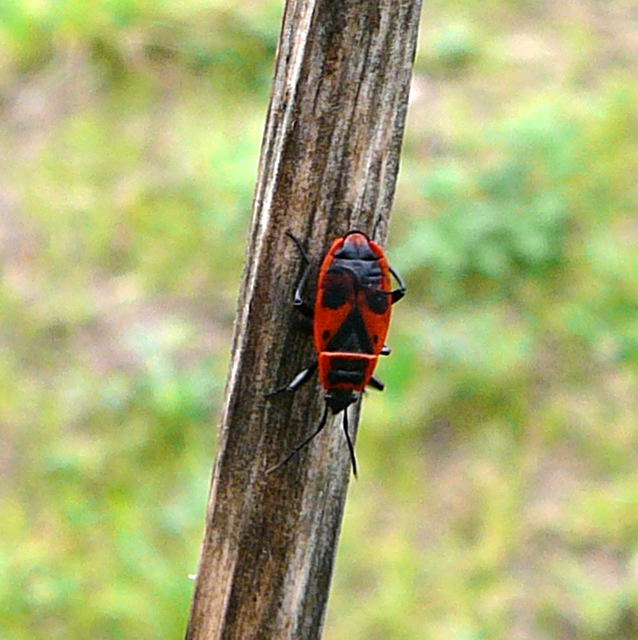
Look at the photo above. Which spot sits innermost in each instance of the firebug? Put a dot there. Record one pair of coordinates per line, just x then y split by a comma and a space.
351, 316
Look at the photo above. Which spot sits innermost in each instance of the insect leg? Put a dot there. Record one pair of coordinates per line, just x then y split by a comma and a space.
303, 376
299, 302
375, 383
301, 445
350, 447
397, 294
296, 240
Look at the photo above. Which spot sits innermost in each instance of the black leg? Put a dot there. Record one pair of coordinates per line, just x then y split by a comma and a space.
375, 383
303, 376
353, 459
301, 445
296, 240
397, 294
299, 302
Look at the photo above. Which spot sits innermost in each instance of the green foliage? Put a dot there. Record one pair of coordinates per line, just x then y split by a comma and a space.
497, 495
498, 223
128, 37
453, 48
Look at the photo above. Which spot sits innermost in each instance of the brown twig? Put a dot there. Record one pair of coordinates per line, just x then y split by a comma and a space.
329, 163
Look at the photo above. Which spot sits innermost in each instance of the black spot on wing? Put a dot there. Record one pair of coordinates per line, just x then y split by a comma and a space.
378, 300
338, 286
334, 296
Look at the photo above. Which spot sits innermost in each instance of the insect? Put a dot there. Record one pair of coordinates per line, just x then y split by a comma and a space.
351, 316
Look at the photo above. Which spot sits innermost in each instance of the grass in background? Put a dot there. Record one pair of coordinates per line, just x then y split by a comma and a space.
128, 148
127, 183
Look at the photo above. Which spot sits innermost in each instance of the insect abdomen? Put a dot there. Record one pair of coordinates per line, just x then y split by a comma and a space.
351, 371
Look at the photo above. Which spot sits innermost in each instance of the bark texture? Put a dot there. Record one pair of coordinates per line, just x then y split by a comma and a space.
328, 164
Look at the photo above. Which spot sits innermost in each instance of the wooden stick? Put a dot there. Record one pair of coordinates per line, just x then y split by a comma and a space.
328, 164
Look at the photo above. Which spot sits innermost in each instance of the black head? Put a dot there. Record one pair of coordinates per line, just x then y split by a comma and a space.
356, 232
356, 246
340, 399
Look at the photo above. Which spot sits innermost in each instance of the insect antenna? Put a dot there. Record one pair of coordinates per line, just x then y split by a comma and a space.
380, 220
353, 459
301, 445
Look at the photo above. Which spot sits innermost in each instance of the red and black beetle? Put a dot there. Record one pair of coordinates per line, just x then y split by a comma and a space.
351, 317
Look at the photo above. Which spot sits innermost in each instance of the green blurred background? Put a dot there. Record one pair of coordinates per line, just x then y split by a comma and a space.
498, 495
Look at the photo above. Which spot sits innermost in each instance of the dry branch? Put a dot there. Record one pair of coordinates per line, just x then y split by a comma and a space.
328, 164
